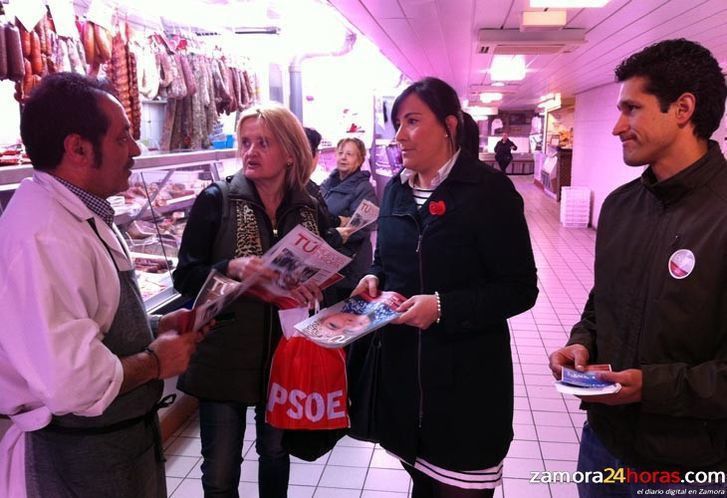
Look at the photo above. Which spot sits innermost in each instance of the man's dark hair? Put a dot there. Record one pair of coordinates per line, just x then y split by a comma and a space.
440, 98
314, 139
470, 135
61, 105
673, 67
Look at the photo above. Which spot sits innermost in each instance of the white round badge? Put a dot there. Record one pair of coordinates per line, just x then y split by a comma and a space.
681, 263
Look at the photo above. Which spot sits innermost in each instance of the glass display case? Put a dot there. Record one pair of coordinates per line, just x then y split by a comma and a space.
152, 213
385, 162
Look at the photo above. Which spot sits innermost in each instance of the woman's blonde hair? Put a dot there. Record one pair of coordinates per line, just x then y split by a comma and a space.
360, 147
289, 133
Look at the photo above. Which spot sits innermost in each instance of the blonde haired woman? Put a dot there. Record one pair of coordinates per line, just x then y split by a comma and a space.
232, 223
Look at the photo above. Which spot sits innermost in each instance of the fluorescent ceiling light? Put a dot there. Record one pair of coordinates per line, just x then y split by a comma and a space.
540, 20
507, 68
567, 4
480, 111
487, 97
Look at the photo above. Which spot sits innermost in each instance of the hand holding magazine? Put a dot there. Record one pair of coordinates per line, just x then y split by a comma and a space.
298, 258
586, 383
344, 322
366, 213
218, 292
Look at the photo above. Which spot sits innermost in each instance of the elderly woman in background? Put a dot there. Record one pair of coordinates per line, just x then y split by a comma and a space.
343, 191
232, 223
453, 237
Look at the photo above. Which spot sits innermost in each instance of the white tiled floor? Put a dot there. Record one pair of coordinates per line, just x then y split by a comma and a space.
547, 426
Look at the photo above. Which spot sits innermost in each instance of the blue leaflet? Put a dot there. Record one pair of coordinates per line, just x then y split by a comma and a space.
583, 379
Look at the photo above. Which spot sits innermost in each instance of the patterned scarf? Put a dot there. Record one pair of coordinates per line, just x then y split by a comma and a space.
248, 232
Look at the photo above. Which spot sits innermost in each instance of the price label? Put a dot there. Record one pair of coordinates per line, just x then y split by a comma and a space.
102, 14
28, 12
63, 18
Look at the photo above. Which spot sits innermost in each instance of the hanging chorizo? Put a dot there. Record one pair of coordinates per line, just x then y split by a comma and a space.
3, 54
103, 43
36, 57
89, 42
16, 68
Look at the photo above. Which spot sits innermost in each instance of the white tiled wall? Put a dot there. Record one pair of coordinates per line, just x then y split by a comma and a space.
597, 160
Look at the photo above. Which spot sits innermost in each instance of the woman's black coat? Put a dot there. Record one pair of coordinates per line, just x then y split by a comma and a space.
445, 394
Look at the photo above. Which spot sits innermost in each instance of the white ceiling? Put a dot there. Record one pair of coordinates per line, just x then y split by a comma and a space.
439, 38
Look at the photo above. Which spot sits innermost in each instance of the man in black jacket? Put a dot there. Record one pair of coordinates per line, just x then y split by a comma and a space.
503, 152
657, 312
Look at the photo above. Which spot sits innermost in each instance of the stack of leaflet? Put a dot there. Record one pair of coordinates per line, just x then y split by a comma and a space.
586, 383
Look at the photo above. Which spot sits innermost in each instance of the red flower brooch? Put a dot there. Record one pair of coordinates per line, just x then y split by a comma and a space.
437, 208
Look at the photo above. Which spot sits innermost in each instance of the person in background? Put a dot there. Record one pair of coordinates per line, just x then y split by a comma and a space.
80, 367
314, 139
231, 225
657, 309
503, 152
452, 236
343, 191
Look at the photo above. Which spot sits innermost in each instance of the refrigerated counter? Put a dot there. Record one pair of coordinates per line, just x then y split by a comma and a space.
522, 164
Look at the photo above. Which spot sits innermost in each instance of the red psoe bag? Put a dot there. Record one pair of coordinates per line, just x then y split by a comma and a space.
307, 388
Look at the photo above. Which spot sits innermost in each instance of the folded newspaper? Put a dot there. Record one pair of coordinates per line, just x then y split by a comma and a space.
586, 383
298, 258
344, 322
366, 213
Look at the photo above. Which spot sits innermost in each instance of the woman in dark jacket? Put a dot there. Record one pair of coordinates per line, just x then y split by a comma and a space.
231, 225
453, 237
343, 191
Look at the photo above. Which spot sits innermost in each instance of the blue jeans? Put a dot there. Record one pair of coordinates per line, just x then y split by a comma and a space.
594, 457
222, 429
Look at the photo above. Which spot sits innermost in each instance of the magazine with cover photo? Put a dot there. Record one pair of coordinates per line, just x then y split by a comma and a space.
298, 258
218, 292
366, 213
350, 319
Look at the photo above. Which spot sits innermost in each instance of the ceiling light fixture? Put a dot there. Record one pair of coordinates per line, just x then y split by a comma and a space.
550, 102
567, 4
498, 83
482, 111
543, 20
507, 68
487, 97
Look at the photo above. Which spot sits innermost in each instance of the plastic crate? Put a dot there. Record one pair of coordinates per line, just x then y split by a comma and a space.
575, 207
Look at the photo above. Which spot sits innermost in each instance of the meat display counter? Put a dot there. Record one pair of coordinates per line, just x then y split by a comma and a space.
152, 213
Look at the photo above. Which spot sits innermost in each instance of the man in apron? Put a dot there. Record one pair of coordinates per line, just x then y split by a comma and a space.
80, 368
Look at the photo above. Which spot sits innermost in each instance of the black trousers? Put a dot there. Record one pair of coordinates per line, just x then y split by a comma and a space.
427, 487
503, 162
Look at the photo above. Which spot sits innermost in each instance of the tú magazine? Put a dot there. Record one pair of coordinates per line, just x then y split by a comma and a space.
366, 213
298, 258
344, 322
